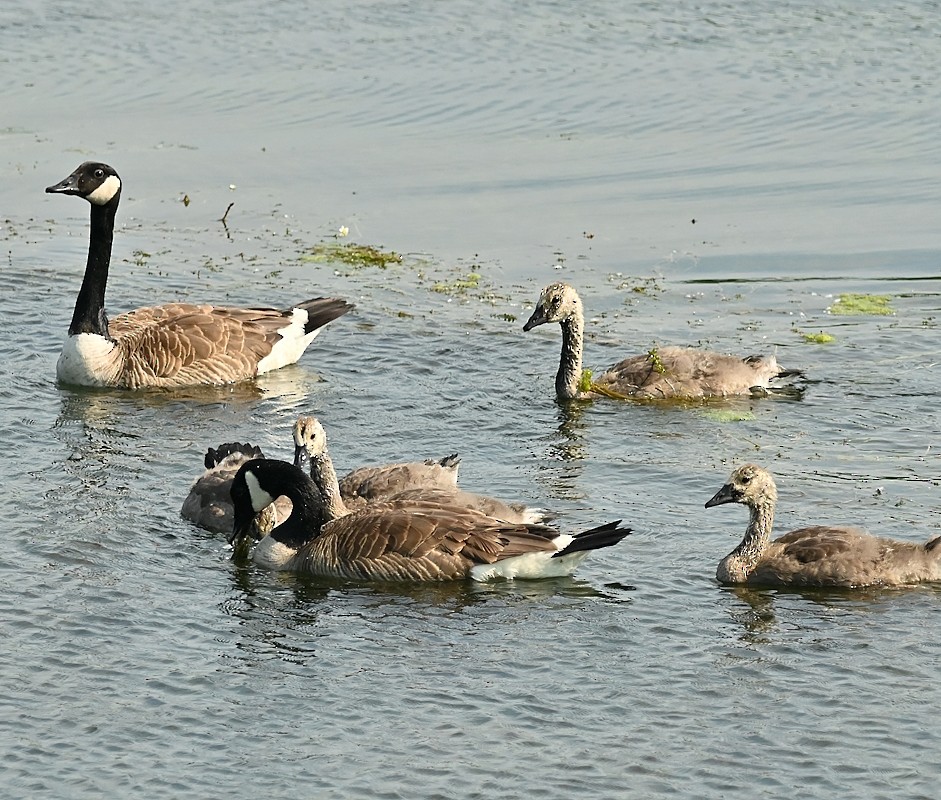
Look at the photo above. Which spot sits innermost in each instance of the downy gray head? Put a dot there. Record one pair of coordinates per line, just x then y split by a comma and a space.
749, 485
97, 183
310, 441
557, 303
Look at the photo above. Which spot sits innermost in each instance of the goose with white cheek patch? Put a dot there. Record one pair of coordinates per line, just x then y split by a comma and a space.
399, 540
173, 345
818, 556
682, 373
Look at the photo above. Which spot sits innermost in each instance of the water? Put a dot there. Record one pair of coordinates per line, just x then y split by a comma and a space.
523, 143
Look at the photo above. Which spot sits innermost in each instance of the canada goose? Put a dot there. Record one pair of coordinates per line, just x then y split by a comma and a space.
664, 372
173, 345
417, 482
821, 555
209, 502
397, 540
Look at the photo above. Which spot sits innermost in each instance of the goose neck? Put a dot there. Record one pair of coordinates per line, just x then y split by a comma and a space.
306, 518
325, 476
570, 364
89, 315
757, 535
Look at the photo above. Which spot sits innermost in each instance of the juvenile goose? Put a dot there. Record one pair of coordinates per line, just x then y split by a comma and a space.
173, 345
821, 555
664, 372
399, 540
310, 451
385, 480
209, 502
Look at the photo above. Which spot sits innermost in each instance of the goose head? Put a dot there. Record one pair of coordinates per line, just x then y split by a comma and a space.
256, 485
749, 485
557, 303
97, 183
310, 441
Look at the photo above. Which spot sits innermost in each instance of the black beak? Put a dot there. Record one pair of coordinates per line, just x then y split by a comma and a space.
65, 186
538, 317
301, 457
724, 495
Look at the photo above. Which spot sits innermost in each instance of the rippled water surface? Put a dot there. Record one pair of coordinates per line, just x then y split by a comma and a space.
714, 174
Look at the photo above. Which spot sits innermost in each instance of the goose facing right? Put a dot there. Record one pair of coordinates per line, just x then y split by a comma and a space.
177, 344
400, 540
684, 373
818, 556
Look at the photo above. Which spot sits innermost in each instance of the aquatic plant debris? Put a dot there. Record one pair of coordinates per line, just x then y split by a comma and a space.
728, 415
355, 255
851, 304
459, 285
818, 338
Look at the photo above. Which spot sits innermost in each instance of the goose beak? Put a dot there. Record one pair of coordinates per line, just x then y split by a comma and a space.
724, 495
538, 317
244, 528
301, 457
65, 186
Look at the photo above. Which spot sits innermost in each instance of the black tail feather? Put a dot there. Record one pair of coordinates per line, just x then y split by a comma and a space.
322, 310
603, 536
216, 455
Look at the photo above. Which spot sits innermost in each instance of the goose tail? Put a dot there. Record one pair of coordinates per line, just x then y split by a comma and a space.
594, 539
216, 455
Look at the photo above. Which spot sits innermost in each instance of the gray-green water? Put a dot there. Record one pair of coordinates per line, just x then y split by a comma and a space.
522, 143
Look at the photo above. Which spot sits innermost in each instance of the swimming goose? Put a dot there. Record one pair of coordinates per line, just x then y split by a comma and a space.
376, 482
664, 372
310, 451
173, 345
397, 540
821, 555
209, 502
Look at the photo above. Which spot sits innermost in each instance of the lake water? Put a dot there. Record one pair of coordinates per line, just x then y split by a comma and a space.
704, 173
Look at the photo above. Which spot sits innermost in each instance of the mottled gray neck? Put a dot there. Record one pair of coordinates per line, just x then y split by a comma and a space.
325, 476
738, 564
570, 365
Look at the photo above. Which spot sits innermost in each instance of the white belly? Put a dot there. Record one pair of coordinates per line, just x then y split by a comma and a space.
87, 359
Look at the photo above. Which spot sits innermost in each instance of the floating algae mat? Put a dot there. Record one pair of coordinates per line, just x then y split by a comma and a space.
728, 415
356, 255
857, 304
818, 338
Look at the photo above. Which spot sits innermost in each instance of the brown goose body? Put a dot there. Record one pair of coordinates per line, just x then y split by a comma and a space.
398, 540
385, 480
816, 556
664, 373
177, 344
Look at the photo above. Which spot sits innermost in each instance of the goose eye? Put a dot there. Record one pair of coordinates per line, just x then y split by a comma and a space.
746, 479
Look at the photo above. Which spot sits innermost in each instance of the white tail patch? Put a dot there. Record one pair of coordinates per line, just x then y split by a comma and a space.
105, 193
532, 565
291, 345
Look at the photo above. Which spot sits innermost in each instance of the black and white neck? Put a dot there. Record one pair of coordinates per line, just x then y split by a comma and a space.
262, 481
100, 185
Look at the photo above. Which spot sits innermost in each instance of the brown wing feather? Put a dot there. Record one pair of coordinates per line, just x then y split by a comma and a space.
418, 541
180, 344
687, 372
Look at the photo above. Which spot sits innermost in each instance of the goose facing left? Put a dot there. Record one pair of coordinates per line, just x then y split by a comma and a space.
173, 345
398, 540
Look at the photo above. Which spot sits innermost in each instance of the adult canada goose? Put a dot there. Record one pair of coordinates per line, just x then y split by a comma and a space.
398, 540
416, 482
821, 555
209, 502
662, 373
173, 345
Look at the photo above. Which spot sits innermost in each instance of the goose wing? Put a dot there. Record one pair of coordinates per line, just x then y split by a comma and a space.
421, 541
687, 372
